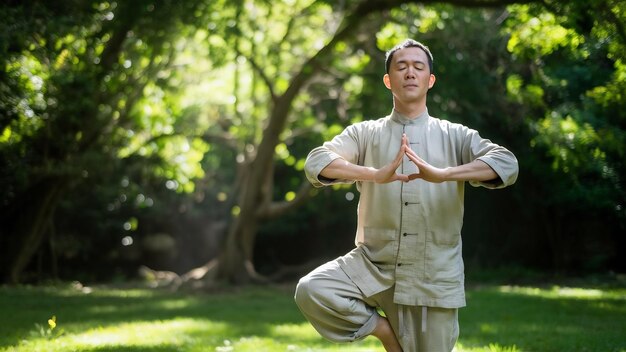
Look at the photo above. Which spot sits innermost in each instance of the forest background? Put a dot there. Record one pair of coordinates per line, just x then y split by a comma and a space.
172, 134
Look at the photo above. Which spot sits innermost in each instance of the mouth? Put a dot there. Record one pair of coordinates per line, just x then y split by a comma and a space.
410, 85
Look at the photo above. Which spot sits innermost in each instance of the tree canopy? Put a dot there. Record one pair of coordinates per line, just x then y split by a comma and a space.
174, 133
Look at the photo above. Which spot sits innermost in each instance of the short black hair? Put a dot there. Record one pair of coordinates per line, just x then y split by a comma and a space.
409, 43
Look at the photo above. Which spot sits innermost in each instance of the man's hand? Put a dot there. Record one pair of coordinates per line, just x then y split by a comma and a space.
476, 170
342, 169
388, 173
426, 171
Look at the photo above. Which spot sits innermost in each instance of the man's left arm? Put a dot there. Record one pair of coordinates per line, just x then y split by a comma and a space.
475, 171
486, 164
501, 160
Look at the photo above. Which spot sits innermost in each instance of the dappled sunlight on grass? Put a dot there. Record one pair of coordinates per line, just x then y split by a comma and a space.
263, 344
171, 334
557, 292
302, 331
302, 337
76, 288
161, 305
257, 319
494, 347
543, 319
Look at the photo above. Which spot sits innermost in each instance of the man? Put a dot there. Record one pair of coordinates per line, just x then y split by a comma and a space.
410, 169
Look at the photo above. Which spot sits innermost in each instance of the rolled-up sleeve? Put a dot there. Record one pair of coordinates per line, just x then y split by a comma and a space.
344, 146
500, 159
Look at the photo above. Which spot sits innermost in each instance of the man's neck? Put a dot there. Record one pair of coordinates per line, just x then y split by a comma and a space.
411, 111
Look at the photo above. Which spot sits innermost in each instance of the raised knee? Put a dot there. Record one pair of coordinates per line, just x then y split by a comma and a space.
302, 291
306, 291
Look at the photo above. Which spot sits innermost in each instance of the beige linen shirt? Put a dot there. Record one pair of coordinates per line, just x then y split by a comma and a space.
409, 233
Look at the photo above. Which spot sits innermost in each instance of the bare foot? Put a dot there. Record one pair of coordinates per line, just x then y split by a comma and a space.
386, 335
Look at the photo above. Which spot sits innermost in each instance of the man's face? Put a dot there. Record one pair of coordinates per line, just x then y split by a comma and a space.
409, 76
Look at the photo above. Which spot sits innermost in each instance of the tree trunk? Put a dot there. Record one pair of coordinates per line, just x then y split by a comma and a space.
236, 257
235, 263
32, 222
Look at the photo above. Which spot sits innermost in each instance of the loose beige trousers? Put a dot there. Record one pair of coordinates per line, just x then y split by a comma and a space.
340, 312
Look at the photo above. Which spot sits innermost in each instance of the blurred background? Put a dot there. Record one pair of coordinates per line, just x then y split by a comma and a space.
171, 135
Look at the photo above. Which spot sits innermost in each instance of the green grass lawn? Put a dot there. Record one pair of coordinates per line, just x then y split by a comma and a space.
498, 318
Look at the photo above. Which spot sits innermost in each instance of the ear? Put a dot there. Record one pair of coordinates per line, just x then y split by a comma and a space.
387, 81
431, 81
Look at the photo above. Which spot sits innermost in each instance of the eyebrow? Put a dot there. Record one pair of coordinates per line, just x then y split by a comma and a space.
407, 62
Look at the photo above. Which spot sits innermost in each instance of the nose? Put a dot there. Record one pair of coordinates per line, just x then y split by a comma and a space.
410, 73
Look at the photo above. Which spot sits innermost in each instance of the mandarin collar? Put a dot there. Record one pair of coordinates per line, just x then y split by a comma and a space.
404, 120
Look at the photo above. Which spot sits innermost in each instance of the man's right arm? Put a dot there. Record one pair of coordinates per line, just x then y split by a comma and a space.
344, 170
341, 169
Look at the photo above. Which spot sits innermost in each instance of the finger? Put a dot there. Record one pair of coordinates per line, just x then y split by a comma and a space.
411, 152
399, 156
412, 177
401, 152
415, 158
402, 148
403, 178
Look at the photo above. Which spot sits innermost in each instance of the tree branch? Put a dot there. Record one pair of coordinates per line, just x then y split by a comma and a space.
224, 139
276, 209
259, 70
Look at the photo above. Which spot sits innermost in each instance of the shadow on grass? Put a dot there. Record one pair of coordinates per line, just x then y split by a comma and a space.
544, 320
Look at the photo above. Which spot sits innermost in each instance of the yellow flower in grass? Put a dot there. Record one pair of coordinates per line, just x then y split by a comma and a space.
52, 322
